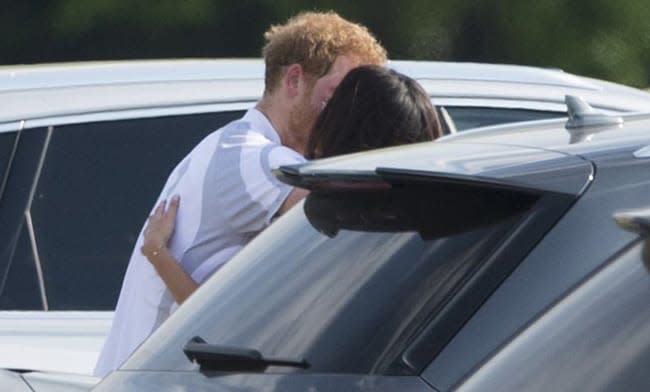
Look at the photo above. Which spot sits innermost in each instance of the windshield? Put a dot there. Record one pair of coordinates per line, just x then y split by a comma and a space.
347, 285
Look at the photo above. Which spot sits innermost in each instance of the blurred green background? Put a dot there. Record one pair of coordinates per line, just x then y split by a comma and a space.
599, 38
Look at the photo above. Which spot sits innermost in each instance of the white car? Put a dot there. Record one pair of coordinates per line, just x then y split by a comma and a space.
86, 147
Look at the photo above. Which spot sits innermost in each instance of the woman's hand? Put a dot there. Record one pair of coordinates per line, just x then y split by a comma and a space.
160, 227
159, 230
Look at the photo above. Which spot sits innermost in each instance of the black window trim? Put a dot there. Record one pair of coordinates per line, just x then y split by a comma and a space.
427, 343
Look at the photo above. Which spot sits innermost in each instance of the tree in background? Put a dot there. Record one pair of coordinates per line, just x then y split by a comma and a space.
600, 38
605, 39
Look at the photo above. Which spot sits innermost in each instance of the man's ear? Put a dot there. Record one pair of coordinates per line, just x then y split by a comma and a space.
292, 79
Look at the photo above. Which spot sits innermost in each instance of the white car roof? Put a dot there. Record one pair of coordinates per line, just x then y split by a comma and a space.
39, 91
40, 76
520, 86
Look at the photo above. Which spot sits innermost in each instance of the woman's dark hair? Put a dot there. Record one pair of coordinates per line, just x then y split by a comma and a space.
373, 107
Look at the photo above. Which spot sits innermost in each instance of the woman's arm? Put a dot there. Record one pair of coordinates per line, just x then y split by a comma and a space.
160, 227
159, 230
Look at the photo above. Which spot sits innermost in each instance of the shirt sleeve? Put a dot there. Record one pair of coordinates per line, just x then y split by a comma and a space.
250, 193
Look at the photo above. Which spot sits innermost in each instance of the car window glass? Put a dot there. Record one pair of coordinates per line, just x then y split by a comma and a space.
98, 183
474, 117
19, 288
7, 140
349, 283
595, 339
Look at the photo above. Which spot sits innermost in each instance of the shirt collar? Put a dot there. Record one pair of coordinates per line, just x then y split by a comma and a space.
262, 124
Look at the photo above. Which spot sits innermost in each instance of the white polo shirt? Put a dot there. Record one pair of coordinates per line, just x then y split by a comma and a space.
228, 195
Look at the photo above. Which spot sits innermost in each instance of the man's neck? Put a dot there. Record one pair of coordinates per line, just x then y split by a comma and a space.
278, 116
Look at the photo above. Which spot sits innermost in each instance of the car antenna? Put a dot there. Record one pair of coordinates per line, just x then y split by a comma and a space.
584, 121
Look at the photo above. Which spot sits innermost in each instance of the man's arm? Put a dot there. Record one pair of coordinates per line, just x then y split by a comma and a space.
294, 197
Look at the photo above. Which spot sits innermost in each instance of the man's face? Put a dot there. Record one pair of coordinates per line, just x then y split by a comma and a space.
324, 87
318, 92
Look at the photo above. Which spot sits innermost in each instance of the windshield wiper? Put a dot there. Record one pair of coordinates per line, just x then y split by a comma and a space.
236, 359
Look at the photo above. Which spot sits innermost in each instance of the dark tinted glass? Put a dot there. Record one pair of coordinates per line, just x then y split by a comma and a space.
97, 186
473, 117
7, 141
19, 290
346, 286
18, 280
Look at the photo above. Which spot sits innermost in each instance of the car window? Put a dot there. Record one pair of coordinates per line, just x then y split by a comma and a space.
19, 287
96, 187
7, 141
343, 280
596, 339
474, 117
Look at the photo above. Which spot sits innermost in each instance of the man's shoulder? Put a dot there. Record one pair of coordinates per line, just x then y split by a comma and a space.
232, 134
242, 127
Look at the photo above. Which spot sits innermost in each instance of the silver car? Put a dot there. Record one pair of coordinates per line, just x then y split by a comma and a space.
514, 258
85, 149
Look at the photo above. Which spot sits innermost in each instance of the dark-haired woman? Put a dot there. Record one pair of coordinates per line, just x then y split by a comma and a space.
372, 107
